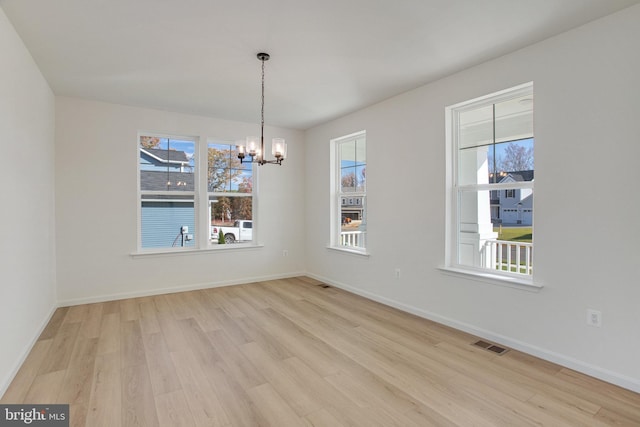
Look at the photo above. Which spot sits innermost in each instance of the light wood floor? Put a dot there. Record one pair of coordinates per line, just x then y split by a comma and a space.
288, 353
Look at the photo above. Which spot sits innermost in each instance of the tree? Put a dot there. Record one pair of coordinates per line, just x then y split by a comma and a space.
349, 180
222, 209
223, 168
517, 158
244, 205
149, 141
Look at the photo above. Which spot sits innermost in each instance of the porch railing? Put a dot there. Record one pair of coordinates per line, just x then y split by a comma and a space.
353, 238
516, 257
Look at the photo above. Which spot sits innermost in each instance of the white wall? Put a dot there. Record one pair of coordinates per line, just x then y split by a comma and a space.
587, 102
96, 199
27, 252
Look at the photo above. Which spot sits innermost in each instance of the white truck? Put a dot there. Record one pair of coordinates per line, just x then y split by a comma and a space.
241, 231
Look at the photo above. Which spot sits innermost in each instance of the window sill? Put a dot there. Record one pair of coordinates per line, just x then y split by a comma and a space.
524, 284
192, 251
349, 251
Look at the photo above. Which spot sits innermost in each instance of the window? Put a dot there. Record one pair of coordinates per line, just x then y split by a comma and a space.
183, 208
167, 190
349, 215
230, 194
490, 141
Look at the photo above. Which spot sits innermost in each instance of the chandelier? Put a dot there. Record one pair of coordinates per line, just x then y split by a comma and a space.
254, 148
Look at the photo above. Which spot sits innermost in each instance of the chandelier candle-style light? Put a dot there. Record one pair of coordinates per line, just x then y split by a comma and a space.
255, 147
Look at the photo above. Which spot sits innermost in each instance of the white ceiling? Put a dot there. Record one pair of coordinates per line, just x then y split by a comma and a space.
328, 57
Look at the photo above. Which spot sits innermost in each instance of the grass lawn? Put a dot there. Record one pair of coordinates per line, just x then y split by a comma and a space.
517, 234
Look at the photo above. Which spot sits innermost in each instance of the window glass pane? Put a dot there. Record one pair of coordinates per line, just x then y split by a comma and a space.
493, 163
348, 179
348, 153
473, 165
514, 119
496, 229
232, 216
511, 156
353, 221
353, 165
512, 207
360, 152
166, 164
361, 175
167, 222
475, 127
225, 173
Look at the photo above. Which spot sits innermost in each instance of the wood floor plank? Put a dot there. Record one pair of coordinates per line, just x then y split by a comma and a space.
138, 404
366, 389
76, 313
559, 410
93, 321
109, 339
173, 410
342, 404
54, 323
78, 414
298, 398
45, 388
238, 407
61, 348
149, 317
322, 418
273, 407
129, 309
132, 345
202, 399
294, 352
234, 361
79, 375
164, 378
105, 404
20, 385
198, 342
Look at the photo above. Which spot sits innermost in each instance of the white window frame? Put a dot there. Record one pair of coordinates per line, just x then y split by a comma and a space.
200, 200
454, 190
336, 197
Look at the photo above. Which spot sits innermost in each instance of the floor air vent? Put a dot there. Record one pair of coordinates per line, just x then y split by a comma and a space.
491, 347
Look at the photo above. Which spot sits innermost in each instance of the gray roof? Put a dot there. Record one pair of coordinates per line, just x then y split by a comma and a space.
168, 155
157, 181
517, 176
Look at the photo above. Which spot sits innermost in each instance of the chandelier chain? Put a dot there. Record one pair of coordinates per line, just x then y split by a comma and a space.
262, 111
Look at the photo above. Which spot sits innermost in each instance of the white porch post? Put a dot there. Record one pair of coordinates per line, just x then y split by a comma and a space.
475, 213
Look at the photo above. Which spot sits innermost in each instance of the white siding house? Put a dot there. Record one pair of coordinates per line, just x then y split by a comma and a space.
512, 206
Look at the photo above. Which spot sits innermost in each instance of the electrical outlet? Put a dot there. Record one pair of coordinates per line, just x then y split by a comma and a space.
397, 273
285, 253
594, 318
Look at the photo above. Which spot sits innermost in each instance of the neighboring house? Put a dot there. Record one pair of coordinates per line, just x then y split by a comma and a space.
352, 208
512, 206
163, 216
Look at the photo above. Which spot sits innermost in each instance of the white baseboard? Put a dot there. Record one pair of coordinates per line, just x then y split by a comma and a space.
629, 383
173, 289
4, 384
